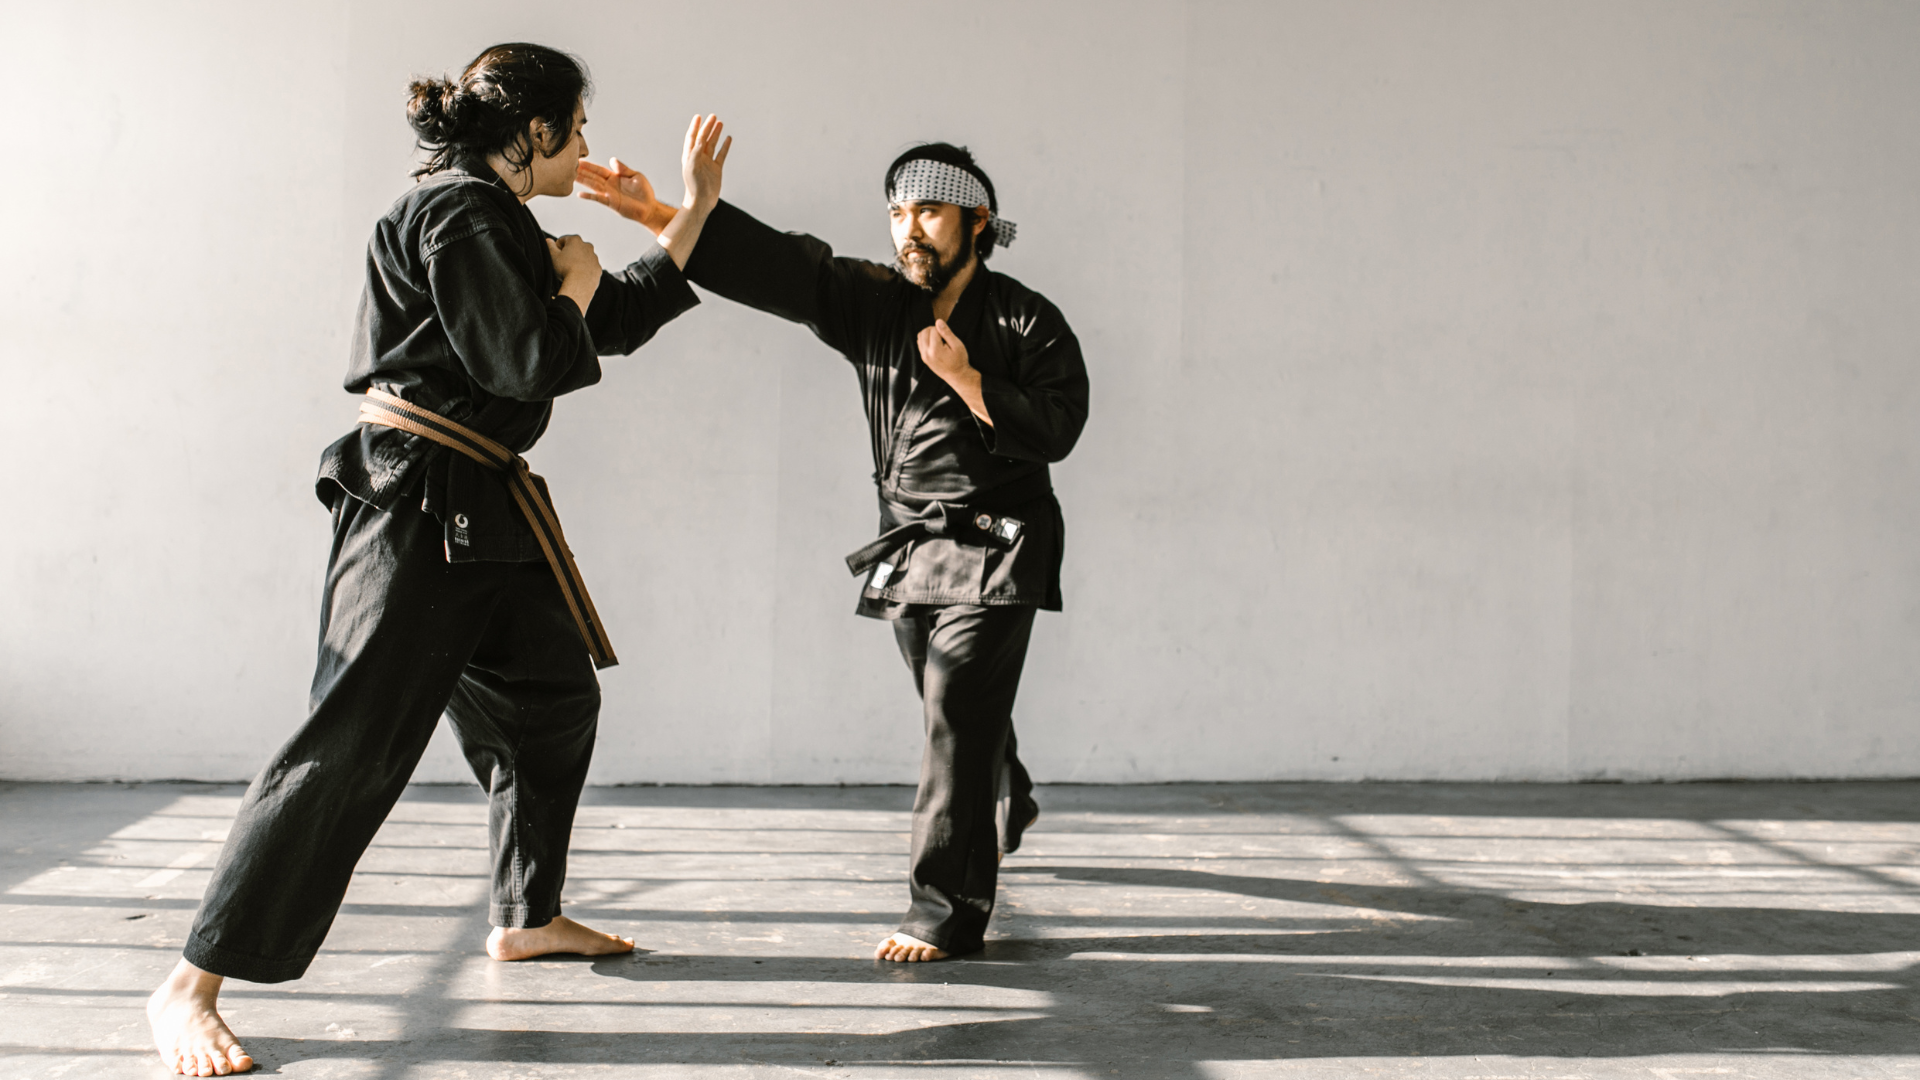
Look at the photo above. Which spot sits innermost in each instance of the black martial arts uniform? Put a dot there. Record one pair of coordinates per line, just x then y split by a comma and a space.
437, 598
971, 534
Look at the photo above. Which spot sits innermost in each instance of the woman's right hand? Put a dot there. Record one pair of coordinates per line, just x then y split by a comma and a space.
573, 256
578, 267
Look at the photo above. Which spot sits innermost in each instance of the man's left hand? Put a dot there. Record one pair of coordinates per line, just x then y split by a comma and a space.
623, 190
941, 350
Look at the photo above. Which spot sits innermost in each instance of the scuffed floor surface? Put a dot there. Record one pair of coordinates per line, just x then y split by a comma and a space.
1461, 932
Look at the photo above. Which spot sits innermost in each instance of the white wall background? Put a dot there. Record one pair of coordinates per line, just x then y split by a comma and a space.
1481, 390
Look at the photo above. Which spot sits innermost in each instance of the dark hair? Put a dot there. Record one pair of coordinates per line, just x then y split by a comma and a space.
487, 109
962, 158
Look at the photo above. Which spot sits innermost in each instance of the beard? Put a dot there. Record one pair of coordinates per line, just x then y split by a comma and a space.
934, 272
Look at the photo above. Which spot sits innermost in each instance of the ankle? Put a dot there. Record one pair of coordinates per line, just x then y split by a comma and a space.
189, 981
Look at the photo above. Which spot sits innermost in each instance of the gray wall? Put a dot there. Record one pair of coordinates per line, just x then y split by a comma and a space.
1482, 390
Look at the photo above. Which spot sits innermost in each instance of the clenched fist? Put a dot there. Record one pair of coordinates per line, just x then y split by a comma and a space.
573, 255
578, 267
942, 351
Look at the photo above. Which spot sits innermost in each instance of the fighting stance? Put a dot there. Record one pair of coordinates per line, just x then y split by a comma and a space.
973, 383
449, 587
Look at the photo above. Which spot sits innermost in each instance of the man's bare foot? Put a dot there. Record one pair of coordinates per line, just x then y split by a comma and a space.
562, 935
187, 1029
907, 949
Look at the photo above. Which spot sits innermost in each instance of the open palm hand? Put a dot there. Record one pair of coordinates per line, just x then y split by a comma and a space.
624, 191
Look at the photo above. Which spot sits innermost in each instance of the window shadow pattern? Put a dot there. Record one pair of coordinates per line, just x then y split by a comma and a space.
1144, 932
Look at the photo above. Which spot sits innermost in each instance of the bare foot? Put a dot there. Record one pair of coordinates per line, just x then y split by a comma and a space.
907, 949
187, 1029
562, 935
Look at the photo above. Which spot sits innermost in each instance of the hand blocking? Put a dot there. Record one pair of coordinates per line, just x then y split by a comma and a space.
627, 191
703, 159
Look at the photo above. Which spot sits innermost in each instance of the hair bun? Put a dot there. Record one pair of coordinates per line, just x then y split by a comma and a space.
507, 93
432, 105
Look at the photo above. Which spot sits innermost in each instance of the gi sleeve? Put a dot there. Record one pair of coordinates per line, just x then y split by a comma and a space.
791, 275
514, 342
1039, 410
631, 306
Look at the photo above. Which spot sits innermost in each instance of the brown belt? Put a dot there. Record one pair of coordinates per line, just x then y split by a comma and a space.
387, 410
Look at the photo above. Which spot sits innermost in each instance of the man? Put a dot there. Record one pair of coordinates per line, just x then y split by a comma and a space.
973, 384
449, 587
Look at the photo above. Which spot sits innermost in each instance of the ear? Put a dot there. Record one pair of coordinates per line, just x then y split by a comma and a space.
980, 218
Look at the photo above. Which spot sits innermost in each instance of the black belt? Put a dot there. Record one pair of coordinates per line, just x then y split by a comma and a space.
386, 410
971, 520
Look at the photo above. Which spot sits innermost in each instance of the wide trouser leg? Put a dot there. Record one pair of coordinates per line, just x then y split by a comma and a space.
398, 623
966, 661
1014, 807
525, 713
1014, 804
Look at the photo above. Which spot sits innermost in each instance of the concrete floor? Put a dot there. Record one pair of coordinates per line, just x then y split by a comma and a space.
1464, 932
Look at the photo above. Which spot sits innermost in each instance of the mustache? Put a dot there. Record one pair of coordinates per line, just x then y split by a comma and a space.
915, 245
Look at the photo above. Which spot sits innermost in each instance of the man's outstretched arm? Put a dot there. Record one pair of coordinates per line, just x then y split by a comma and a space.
703, 157
633, 304
791, 275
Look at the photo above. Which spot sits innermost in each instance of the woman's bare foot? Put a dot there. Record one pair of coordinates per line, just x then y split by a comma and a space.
907, 949
187, 1029
562, 935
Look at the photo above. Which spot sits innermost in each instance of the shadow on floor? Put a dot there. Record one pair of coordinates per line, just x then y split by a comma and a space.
1362, 971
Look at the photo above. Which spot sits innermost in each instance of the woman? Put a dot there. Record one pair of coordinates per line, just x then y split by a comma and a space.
449, 588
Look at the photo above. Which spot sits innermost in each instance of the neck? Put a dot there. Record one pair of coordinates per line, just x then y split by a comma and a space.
949, 296
518, 181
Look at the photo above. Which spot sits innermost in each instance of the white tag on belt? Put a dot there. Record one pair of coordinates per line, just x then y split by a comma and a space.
880, 575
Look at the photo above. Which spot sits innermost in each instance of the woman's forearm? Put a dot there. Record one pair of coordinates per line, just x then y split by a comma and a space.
681, 232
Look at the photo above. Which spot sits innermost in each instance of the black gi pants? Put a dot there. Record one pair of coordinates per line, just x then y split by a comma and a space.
975, 797
405, 636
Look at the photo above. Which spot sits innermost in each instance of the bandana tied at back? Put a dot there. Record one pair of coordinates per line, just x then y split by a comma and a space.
924, 180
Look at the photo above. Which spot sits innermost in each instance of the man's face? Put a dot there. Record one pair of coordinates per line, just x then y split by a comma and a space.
933, 241
554, 175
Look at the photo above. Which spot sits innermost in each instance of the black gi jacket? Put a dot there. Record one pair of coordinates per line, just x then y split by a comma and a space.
459, 315
934, 462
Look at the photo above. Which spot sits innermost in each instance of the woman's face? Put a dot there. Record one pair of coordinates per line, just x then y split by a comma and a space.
554, 175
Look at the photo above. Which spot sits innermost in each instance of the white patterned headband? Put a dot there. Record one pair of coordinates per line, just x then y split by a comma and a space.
922, 180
